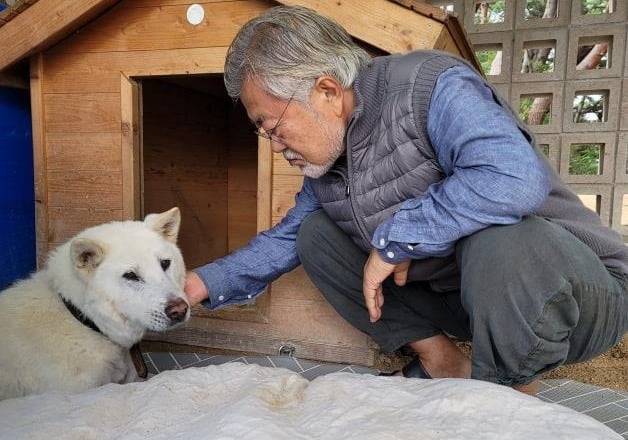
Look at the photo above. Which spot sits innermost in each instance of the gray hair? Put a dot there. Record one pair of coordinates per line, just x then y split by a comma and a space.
287, 48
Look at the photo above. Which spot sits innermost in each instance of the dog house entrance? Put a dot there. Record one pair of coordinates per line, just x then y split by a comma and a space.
198, 152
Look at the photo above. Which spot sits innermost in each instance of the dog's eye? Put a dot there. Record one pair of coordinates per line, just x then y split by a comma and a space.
165, 264
131, 276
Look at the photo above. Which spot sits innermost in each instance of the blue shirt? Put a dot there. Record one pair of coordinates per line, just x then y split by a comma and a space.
493, 176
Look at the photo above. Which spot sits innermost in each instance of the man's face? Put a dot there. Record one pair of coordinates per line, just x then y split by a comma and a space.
311, 138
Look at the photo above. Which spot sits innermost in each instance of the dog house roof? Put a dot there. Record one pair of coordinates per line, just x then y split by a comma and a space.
32, 26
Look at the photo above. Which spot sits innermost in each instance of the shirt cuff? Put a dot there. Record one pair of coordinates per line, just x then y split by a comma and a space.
396, 253
216, 284
391, 251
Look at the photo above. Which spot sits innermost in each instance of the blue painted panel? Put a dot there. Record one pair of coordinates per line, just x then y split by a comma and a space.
17, 195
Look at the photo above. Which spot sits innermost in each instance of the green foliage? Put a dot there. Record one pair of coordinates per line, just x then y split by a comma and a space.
594, 6
584, 159
485, 58
534, 9
545, 149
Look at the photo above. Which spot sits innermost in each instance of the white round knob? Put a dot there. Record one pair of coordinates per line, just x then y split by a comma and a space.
195, 14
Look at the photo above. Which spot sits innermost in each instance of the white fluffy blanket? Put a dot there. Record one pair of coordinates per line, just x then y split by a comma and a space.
237, 401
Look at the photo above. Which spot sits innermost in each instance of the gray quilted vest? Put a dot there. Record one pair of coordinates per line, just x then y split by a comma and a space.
389, 159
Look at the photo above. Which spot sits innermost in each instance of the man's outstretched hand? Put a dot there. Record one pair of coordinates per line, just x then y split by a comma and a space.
376, 271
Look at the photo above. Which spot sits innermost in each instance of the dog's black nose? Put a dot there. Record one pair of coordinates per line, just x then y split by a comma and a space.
176, 310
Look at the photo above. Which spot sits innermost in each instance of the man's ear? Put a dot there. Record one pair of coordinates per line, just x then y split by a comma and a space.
166, 224
86, 254
329, 92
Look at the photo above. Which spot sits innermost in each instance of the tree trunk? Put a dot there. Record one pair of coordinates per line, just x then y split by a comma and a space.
592, 59
540, 106
483, 12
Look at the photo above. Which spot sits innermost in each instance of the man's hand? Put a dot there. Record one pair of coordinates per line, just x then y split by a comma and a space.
195, 288
376, 271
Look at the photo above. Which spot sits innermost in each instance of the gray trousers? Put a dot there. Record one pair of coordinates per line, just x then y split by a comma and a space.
530, 297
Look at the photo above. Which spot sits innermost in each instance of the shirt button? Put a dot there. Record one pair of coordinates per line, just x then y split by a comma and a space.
220, 298
382, 242
390, 254
410, 247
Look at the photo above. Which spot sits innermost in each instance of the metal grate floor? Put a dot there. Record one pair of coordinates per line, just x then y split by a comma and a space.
603, 404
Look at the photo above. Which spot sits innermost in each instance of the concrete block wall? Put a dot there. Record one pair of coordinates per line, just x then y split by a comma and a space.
606, 191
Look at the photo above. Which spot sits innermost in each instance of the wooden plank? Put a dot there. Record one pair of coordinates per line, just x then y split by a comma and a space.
45, 23
82, 151
285, 188
263, 344
433, 12
100, 72
383, 24
160, 3
445, 42
39, 159
85, 189
130, 148
82, 113
66, 222
264, 185
165, 27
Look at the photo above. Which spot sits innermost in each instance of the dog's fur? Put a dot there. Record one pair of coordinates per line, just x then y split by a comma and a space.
127, 277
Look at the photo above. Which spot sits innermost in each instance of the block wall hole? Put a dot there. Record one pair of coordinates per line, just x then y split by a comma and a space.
597, 7
591, 201
539, 9
490, 58
590, 106
594, 52
545, 149
538, 56
586, 159
535, 109
489, 12
624, 210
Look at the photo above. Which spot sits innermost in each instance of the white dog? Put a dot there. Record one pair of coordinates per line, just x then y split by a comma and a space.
70, 326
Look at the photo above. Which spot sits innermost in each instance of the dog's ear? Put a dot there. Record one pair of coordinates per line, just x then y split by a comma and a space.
86, 254
166, 224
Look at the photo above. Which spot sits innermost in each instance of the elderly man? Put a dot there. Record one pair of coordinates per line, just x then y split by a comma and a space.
426, 211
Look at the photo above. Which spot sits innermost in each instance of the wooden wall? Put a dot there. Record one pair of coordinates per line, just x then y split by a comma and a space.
76, 89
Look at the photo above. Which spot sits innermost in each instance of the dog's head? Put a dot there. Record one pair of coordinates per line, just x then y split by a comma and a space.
133, 273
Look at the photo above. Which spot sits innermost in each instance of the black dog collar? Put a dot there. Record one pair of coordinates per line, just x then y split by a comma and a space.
136, 354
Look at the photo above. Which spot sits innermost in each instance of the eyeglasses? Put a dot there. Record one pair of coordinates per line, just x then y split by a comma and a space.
268, 134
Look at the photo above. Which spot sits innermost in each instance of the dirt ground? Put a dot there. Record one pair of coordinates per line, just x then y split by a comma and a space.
608, 370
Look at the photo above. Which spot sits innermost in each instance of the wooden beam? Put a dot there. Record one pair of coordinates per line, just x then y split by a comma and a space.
45, 23
130, 142
39, 159
383, 24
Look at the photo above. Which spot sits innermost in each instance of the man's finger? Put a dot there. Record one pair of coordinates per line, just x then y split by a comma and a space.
401, 274
372, 302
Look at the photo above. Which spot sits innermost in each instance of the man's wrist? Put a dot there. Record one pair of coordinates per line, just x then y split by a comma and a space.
195, 288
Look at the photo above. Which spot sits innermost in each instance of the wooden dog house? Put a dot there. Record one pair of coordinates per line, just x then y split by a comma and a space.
130, 117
